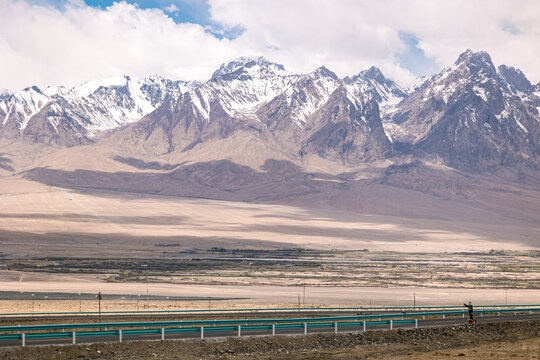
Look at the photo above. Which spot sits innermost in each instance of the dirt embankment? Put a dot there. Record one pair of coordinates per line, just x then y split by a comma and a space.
496, 340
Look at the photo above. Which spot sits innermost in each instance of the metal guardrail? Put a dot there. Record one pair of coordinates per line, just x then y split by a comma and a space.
192, 311
120, 333
192, 323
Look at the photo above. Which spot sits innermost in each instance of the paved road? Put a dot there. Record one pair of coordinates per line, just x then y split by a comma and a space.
208, 333
213, 315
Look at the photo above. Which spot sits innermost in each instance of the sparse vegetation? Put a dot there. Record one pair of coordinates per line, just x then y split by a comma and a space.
311, 267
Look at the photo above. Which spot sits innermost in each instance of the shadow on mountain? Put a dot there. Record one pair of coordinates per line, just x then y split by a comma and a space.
59, 244
86, 218
5, 163
352, 234
145, 165
411, 190
223, 180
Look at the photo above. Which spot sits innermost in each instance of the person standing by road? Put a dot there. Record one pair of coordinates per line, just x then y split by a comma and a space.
470, 307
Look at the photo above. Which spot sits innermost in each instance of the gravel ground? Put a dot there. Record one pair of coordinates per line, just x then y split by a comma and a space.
407, 344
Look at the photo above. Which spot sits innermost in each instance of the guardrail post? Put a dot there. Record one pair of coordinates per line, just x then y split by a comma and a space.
305, 328
239, 330
391, 324
481, 314
498, 314
74, 336
423, 317
23, 339
273, 329
162, 333
120, 335
202, 332
444, 316
416, 323
530, 312
515, 313
463, 315
364, 326
335, 327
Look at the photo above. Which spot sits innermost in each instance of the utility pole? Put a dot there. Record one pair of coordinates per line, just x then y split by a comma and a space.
99, 305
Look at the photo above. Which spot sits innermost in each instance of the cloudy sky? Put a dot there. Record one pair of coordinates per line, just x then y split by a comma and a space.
66, 42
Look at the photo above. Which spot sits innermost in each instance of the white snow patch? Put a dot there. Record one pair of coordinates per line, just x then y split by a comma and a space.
91, 86
481, 92
523, 128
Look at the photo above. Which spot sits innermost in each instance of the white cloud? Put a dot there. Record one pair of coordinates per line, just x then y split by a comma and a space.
46, 46
171, 9
40, 45
348, 35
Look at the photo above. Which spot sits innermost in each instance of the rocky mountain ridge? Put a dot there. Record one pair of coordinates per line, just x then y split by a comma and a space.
73, 116
470, 116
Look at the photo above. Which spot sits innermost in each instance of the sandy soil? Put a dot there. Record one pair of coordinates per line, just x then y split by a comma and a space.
38, 220
271, 295
524, 349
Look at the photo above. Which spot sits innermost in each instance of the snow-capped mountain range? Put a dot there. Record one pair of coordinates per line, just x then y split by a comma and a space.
70, 116
471, 115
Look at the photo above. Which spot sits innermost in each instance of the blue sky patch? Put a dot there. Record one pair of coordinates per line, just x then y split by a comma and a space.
181, 11
510, 28
413, 58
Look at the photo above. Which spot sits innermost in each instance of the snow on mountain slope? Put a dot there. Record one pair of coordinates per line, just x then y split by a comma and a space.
347, 128
84, 110
260, 97
385, 91
19, 107
246, 83
470, 115
298, 101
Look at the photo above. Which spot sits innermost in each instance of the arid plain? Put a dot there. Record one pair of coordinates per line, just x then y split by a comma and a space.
258, 253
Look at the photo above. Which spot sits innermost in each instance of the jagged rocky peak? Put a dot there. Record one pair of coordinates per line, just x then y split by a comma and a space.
374, 73
372, 81
466, 116
69, 116
236, 66
323, 71
347, 128
516, 80
476, 62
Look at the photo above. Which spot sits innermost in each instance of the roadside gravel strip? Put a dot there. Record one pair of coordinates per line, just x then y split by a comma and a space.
372, 344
